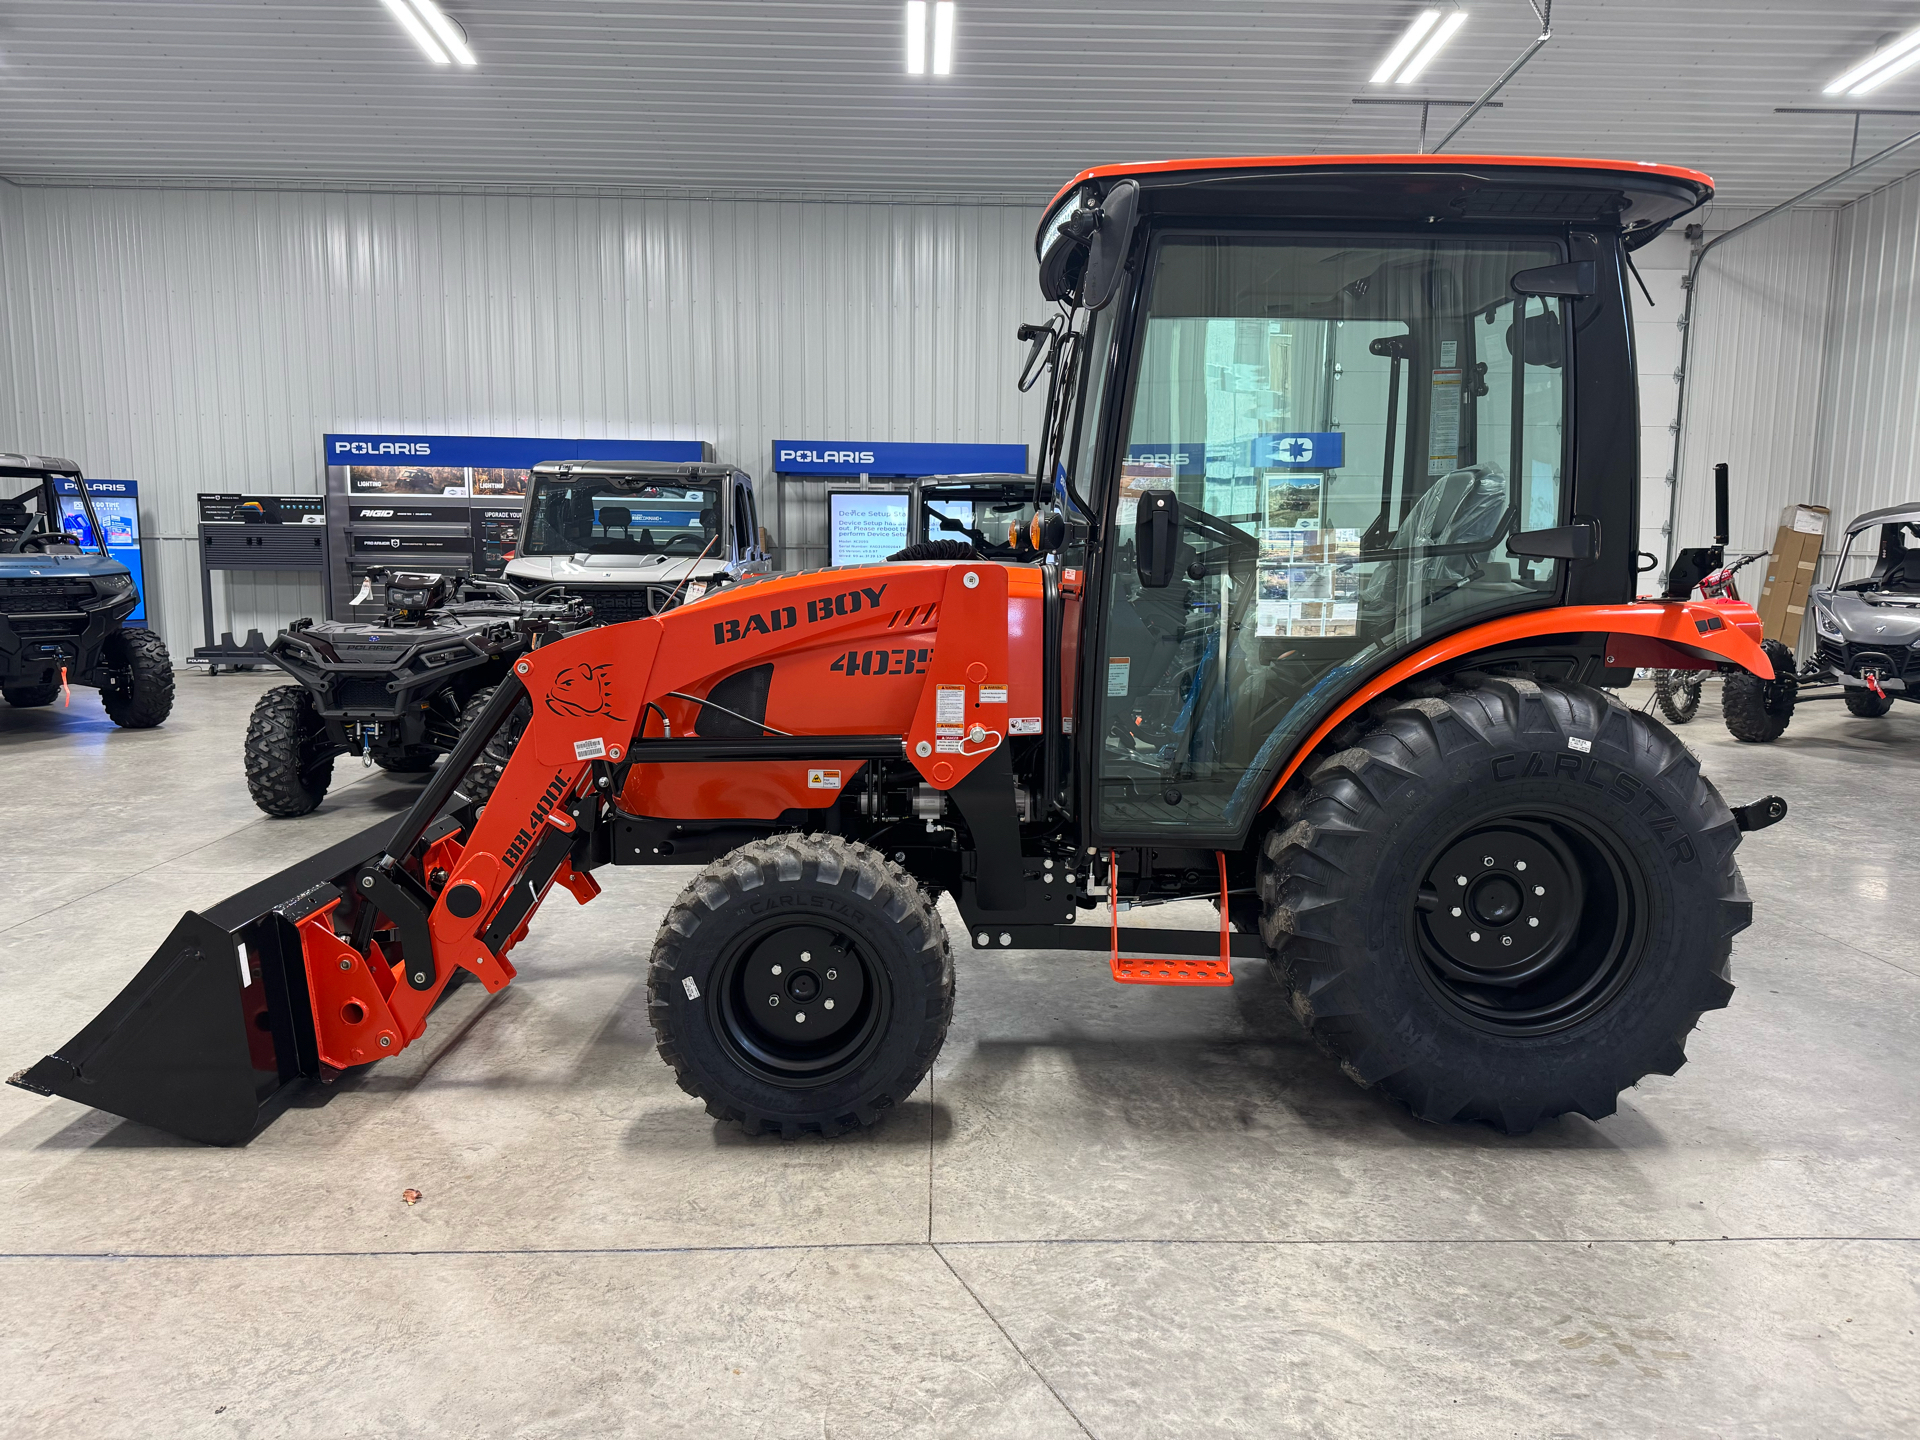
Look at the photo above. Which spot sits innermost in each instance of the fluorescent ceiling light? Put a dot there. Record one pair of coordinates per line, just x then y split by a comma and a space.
944, 37
446, 31
1423, 23
1886, 63
1442, 34
410, 22
916, 37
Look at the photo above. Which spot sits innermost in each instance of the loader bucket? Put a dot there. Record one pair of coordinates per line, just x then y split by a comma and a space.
209, 1038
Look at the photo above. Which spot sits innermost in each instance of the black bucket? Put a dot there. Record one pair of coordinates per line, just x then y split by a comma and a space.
210, 1037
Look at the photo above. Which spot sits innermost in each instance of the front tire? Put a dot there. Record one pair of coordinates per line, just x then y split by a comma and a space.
1403, 886
1759, 710
137, 687
24, 696
1864, 703
801, 984
290, 761
491, 763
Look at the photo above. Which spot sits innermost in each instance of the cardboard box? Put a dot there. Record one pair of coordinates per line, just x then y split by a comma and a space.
1792, 563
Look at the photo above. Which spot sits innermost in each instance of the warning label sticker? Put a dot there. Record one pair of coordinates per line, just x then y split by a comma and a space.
993, 695
591, 750
948, 745
820, 780
1117, 668
1024, 725
950, 704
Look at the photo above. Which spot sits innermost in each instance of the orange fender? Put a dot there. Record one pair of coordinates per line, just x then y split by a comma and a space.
1677, 635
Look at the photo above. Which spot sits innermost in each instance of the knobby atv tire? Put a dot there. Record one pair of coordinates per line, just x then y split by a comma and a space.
751, 895
290, 762
1864, 703
1341, 874
30, 695
1677, 694
1759, 710
486, 770
137, 688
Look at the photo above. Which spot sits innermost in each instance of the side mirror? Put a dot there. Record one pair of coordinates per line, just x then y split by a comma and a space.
1084, 262
1580, 541
1040, 353
1157, 537
1107, 249
1573, 281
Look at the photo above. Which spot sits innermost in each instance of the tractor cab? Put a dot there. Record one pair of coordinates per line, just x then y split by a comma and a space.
1306, 416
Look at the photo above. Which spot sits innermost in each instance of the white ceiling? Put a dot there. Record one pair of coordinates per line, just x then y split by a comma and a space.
809, 95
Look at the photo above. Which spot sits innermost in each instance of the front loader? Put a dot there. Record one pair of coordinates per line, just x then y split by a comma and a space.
1334, 553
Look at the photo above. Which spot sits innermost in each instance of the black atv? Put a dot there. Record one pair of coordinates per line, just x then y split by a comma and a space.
397, 692
63, 601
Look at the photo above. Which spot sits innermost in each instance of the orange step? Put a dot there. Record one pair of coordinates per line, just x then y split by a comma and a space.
1179, 971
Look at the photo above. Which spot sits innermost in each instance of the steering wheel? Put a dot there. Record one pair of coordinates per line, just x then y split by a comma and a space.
46, 538
691, 542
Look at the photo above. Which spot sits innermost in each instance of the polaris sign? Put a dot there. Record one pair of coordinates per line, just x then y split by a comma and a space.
501, 452
895, 459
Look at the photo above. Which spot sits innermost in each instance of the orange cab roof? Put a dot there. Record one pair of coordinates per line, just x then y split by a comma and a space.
1303, 162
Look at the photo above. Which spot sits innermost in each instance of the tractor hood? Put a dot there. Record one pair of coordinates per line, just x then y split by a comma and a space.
610, 569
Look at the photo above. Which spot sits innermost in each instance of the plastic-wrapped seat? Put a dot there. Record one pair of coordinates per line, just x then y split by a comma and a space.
1466, 507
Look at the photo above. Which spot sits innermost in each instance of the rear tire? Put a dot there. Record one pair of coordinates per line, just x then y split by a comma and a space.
1677, 694
290, 761
137, 685
24, 696
776, 931
1758, 710
1616, 845
1864, 703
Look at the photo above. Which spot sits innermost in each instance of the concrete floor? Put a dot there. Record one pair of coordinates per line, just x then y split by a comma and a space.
1112, 1211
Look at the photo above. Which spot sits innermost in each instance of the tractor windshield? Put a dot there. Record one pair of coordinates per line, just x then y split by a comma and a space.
1347, 432
985, 512
599, 515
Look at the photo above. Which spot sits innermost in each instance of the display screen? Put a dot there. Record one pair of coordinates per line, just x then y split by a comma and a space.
867, 526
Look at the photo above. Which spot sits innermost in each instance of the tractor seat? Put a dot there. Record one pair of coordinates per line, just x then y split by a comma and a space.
1463, 507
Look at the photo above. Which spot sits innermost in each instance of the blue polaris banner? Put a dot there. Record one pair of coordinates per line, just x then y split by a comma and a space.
894, 459
117, 504
1300, 450
503, 452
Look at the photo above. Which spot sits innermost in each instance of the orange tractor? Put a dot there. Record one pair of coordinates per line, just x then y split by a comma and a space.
1333, 558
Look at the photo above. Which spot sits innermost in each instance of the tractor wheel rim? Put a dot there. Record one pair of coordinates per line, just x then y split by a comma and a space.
800, 1005
1526, 923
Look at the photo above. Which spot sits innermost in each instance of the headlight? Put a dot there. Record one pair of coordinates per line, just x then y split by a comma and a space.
1824, 623
111, 585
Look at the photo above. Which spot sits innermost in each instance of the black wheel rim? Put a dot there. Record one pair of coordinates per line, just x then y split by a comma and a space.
800, 1005
1528, 923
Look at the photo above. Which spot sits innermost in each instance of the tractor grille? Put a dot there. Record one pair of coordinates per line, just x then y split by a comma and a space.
615, 604
23, 597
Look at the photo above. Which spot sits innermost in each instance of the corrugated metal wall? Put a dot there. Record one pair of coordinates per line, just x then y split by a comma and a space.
1756, 366
1867, 427
204, 339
